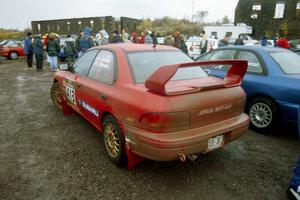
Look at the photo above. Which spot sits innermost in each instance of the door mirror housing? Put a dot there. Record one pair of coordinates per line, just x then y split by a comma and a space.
64, 67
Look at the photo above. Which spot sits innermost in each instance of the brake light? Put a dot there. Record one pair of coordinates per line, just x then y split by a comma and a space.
166, 120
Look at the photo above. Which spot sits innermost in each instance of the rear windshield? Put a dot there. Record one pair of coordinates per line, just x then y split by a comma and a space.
288, 61
144, 63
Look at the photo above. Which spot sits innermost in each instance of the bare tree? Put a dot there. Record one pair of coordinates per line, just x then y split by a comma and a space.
200, 16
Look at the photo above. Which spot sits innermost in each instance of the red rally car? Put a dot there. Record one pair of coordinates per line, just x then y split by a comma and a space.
153, 102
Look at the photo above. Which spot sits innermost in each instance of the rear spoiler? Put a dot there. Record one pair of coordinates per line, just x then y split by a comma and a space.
158, 80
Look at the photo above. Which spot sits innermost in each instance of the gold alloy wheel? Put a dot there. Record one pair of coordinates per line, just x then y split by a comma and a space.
57, 95
111, 140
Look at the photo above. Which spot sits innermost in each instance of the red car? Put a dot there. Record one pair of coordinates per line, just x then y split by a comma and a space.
11, 49
149, 106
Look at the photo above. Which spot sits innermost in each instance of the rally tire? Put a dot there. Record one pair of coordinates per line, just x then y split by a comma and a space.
263, 114
113, 141
13, 55
56, 95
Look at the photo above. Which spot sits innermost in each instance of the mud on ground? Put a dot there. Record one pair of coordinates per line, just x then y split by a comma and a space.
44, 155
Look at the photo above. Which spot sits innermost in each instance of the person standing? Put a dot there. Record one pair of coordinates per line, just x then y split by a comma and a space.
181, 45
38, 51
142, 38
168, 40
176, 39
154, 38
86, 41
264, 40
125, 36
69, 49
135, 39
28, 48
77, 41
283, 43
203, 43
116, 38
53, 50
148, 38
239, 41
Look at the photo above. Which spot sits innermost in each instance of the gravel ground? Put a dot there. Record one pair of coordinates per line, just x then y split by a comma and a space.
44, 155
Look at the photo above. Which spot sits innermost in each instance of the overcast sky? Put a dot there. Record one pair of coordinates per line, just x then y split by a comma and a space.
19, 13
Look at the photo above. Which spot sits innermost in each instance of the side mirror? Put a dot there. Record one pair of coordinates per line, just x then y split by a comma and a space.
64, 67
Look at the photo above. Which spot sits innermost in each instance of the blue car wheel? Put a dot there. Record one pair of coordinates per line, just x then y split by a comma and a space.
263, 114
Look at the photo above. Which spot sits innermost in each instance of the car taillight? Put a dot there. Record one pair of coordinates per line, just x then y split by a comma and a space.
166, 120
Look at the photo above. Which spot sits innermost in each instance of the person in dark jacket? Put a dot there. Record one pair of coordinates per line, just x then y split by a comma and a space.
86, 41
28, 48
264, 40
116, 38
181, 45
69, 49
53, 50
38, 51
154, 38
239, 41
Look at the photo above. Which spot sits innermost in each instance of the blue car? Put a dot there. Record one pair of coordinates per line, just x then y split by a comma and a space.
272, 83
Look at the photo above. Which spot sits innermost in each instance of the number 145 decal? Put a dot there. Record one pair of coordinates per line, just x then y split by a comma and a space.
70, 92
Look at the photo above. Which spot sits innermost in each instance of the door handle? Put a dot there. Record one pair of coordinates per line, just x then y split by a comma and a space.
103, 96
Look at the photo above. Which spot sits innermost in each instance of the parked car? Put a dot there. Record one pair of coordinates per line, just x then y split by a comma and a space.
193, 45
272, 83
11, 49
149, 106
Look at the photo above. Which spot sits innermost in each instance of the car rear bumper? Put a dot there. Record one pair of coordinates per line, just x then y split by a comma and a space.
168, 146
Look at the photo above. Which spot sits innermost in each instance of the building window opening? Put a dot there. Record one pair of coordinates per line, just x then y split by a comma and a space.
68, 26
279, 10
92, 23
39, 27
256, 7
254, 16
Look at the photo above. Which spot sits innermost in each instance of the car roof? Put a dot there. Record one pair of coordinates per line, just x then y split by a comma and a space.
128, 47
258, 49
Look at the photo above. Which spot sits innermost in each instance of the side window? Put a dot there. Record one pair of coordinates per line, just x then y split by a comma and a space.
83, 64
254, 65
223, 55
103, 67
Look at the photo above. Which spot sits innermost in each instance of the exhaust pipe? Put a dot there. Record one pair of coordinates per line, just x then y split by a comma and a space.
182, 157
192, 157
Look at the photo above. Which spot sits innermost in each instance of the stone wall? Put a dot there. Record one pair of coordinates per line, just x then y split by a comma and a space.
74, 25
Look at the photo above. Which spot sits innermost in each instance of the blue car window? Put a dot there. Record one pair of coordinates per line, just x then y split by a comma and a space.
254, 65
288, 61
223, 55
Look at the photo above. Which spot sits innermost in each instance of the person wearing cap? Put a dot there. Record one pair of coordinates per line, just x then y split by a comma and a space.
28, 48
38, 51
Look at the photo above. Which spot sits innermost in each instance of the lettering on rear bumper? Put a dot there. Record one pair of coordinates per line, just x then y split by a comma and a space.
214, 110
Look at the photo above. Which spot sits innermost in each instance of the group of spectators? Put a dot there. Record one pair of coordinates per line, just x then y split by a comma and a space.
34, 46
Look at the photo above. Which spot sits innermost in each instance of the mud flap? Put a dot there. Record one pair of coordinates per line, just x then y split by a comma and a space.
67, 110
132, 158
